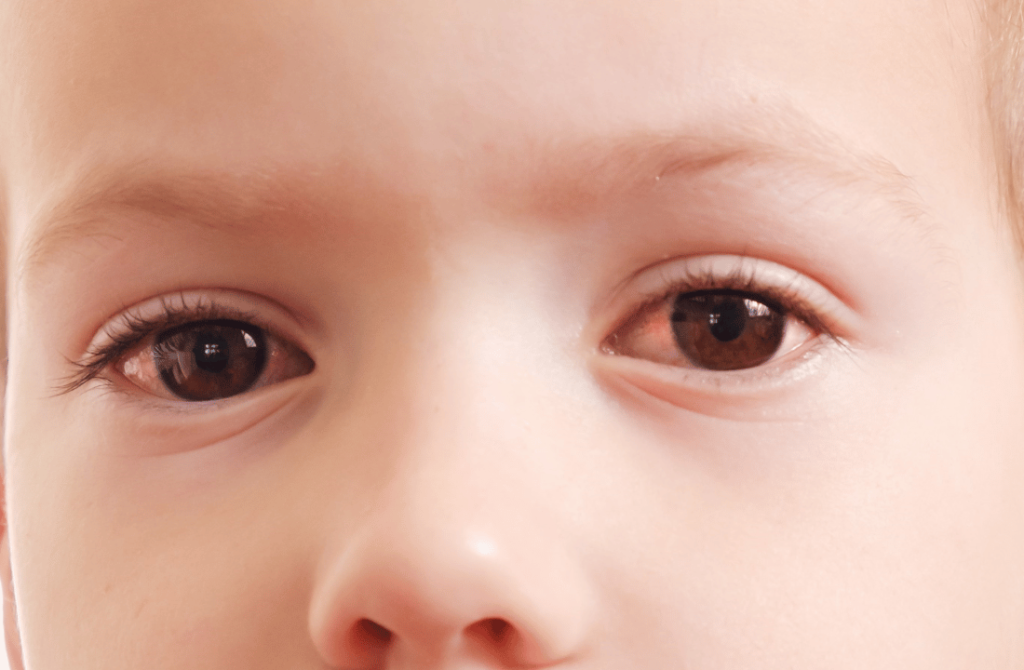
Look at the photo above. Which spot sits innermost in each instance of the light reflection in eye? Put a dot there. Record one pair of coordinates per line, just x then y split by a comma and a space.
756, 308
716, 330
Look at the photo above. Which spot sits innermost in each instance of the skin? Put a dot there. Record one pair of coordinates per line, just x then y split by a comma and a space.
452, 208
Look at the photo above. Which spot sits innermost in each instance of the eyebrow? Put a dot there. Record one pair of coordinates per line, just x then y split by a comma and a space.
220, 201
232, 202
779, 136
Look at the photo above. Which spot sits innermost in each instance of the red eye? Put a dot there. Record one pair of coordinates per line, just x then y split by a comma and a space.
211, 360
711, 330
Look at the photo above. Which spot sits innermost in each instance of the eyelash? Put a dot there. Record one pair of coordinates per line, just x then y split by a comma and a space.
131, 329
746, 280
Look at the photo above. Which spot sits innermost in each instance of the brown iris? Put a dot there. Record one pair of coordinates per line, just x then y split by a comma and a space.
726, 330
207, 360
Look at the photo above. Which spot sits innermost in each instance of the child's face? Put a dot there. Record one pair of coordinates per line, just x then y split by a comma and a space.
664, 335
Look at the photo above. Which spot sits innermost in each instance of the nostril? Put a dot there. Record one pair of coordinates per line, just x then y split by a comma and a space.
495, 631
372, 634
498, 636
364, 644
509, 645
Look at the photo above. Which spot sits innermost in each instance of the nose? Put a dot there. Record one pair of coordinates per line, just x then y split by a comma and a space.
437, 595
459, 560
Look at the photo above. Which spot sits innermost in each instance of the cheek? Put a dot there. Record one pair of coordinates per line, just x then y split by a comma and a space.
112, 572
114, 559
717, 542
894, 513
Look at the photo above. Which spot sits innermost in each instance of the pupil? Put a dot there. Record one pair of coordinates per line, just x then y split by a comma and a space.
728, 320
726, 330
207, 360
210, 352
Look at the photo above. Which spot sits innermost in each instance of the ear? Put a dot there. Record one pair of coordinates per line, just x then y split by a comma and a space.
10, 615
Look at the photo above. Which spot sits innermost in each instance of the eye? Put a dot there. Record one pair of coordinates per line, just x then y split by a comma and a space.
714, 329
211, 360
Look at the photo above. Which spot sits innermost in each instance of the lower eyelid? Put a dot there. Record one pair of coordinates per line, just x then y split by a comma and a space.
657, 343
284, 361
120, 353
742, 394
802, 297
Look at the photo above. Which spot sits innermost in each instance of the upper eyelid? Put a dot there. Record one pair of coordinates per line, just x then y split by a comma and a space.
134, 324
132, 329
788, 299
804, 297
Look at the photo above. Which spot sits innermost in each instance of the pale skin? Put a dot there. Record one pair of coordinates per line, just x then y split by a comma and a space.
467, 450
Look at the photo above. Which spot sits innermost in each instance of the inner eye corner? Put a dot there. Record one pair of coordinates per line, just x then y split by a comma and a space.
715, 329
210, 359
637, 317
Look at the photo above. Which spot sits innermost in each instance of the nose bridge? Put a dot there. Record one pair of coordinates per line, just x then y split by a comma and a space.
456, 556
473, 398
467, 398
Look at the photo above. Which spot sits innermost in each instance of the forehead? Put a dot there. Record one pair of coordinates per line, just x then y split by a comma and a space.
437, 95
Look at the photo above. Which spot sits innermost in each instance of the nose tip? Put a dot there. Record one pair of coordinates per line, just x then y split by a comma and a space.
434, 595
